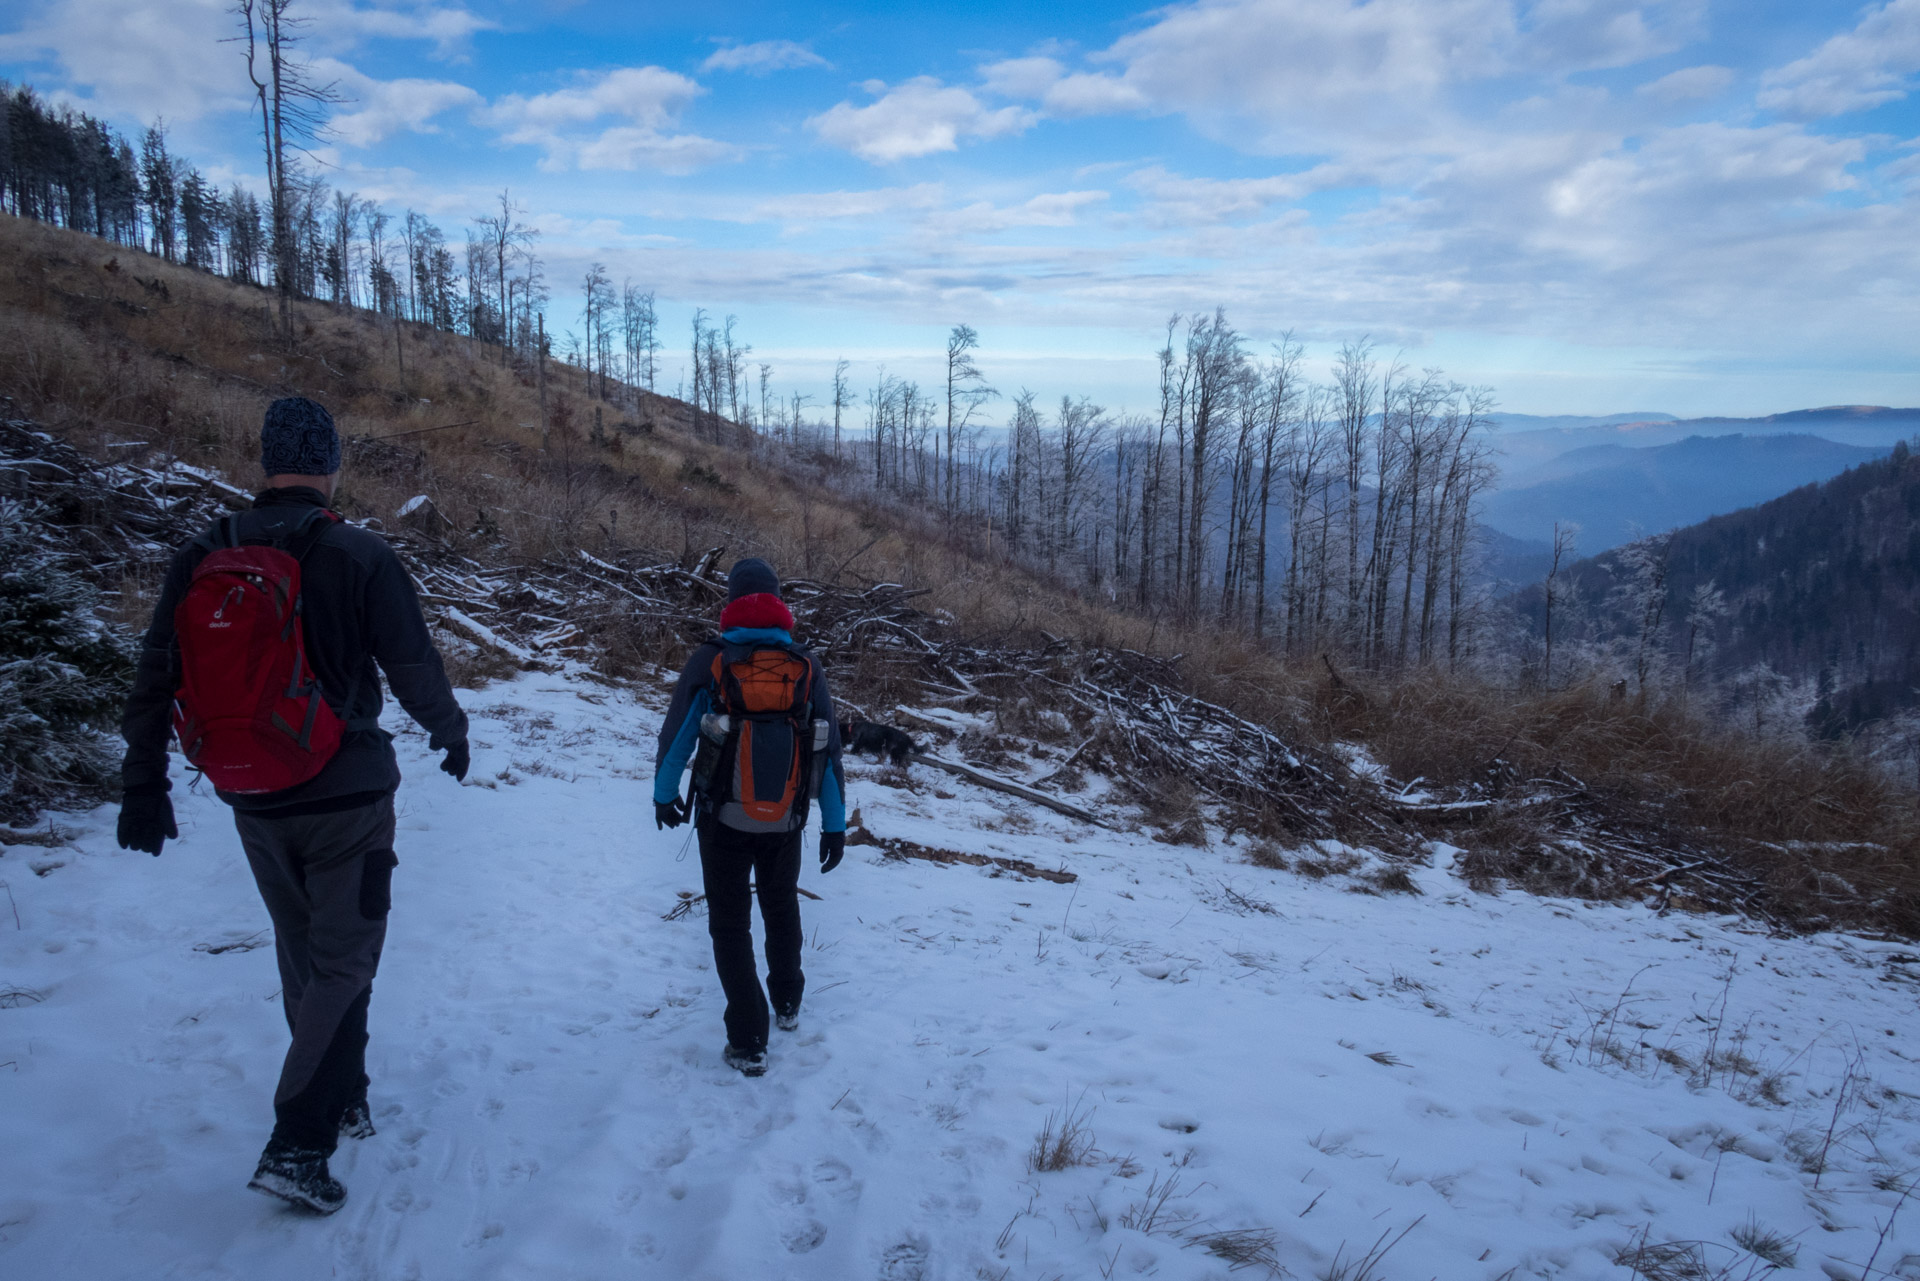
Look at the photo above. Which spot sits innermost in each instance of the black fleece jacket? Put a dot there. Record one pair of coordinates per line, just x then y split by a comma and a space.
358, 608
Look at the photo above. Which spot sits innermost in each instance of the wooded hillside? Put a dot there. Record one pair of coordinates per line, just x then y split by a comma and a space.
1819, 588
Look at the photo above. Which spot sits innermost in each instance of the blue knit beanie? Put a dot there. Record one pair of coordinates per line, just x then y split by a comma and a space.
751, 577
297, 439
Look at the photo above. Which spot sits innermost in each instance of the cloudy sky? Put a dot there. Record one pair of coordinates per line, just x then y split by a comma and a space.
1694, 206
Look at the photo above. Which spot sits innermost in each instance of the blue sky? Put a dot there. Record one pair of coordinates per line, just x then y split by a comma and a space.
1591, 205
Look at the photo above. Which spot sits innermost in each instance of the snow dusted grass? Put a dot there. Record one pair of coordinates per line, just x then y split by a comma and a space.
1263, 1072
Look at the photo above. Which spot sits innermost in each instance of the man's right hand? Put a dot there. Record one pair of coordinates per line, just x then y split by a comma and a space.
668, 813
146, 822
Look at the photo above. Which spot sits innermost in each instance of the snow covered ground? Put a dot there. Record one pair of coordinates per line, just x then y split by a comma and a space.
1268, 1066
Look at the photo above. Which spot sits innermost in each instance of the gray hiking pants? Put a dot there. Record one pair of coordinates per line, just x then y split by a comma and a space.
327, 882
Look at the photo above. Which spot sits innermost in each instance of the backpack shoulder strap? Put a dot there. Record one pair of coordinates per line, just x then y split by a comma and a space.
218, 535
307, 534
233, 530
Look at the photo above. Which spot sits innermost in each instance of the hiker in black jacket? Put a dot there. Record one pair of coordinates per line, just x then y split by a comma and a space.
760, 839
321, 851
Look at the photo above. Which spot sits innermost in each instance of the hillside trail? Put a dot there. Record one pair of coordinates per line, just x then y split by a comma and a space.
1272, 1071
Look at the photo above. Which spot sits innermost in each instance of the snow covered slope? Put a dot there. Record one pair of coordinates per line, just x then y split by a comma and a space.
1268, 1065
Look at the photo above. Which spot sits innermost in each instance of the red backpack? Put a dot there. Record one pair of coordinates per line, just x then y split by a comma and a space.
249, 712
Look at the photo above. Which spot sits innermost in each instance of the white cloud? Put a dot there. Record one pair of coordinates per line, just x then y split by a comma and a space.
643, 104
915, 118
1576, 35
136, 59
1323, 75
637, 147
1706, 173
381, 108
762, 56
1022, 77
1059, 92
1870, 65
827, 205
1689, 84
1304, 73
649, 96
1049, 209
450, 29
1174, 200
1092, 94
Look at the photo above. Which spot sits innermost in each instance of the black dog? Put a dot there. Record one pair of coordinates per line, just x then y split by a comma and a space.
881, 740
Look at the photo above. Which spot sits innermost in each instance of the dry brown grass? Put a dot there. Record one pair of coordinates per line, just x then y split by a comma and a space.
1816, 822
107, 345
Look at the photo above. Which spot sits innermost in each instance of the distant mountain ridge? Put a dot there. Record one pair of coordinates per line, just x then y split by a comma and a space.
1527, 442
1613, 490
1615, 473
1563, 422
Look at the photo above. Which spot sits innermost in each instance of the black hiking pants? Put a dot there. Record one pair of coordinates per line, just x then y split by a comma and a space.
769, 862
327, 881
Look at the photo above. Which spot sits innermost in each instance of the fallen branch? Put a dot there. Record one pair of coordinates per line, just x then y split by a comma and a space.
689, 900
899, 848
1011, 788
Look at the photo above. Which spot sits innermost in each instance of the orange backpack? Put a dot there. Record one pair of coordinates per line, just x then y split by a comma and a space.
763, 752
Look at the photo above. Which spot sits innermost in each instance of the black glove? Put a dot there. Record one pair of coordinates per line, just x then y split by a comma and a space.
669, 813
146, 822
456, 762
833, 845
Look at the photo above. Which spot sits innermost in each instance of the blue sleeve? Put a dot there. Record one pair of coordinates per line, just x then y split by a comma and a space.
679, 751
833, 800
680, 730
833, 792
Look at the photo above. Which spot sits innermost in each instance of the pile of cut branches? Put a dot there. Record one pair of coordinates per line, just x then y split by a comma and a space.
110, 518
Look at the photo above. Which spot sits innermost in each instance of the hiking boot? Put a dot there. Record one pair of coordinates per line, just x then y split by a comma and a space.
298, 1176
746, 1062
357, 1121
787, 1020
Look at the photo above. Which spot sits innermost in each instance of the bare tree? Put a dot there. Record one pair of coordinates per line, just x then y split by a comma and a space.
1215, 358
1081, 429
1356, 383
291, 105
1280, 403
640, 323
1565, 535
597, 289
1705, 607
736, 358
347, 212
1311, 449
840, 400
697, 400
1641, 591
505, 236
967, 390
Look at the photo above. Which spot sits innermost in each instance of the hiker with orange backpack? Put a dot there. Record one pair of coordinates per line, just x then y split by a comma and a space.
261, 658
752, 715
